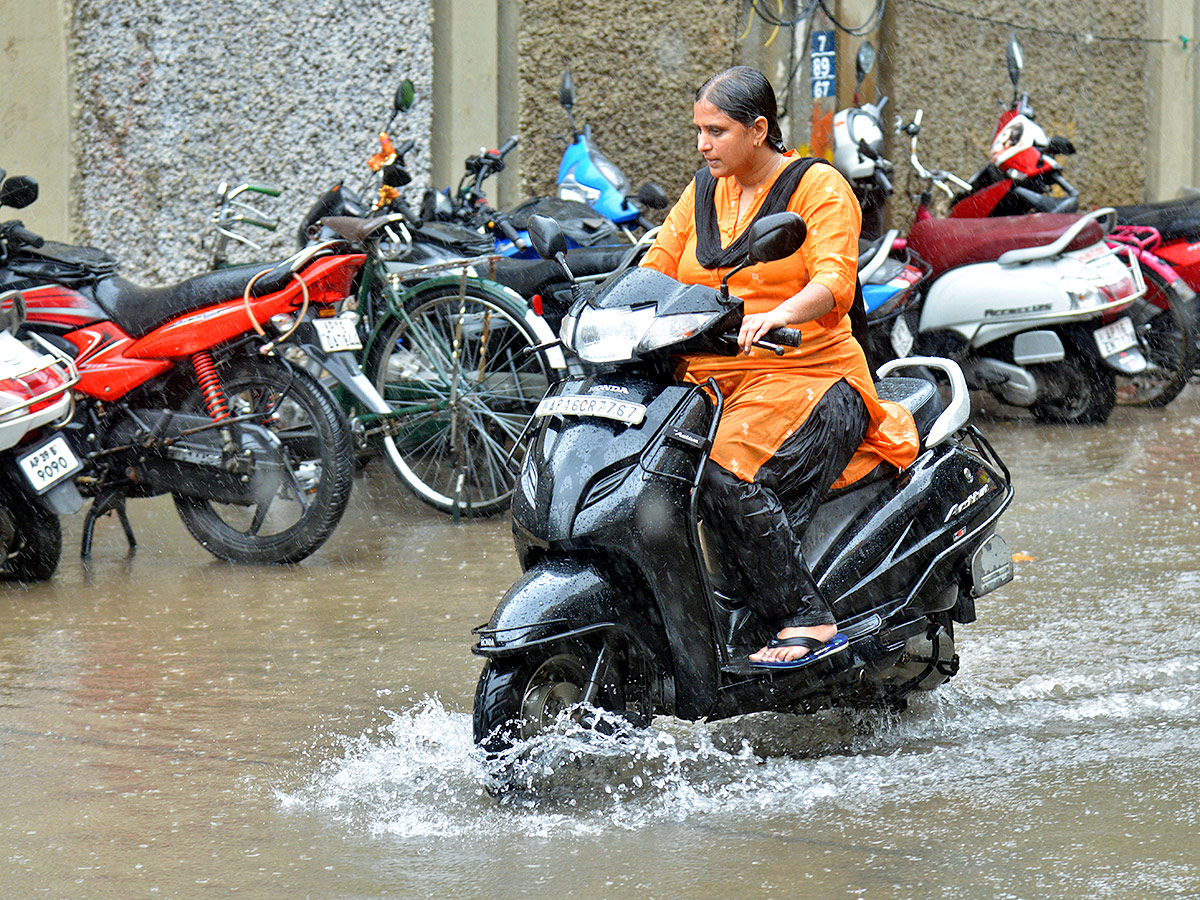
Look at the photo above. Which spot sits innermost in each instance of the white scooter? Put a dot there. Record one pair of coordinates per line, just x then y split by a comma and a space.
1034, 308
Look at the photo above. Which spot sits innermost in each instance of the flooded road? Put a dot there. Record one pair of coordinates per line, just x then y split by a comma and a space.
172, 726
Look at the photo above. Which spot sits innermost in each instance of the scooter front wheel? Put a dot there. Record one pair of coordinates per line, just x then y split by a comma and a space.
521, 697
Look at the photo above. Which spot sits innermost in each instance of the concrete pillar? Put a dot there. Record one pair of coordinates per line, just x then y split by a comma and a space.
473, 103
1173, 84
35, 109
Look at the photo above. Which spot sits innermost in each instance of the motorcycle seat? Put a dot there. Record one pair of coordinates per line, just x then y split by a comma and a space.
539, 276
139, 310
948, 243
1173, 219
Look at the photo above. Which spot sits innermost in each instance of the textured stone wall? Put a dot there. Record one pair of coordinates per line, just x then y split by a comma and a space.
636, 67
1094, 92
174, 96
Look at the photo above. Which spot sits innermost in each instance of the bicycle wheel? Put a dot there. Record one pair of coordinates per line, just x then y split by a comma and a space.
462, 376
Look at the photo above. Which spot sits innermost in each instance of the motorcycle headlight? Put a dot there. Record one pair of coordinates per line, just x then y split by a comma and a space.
609, 170
606, 335
571, 189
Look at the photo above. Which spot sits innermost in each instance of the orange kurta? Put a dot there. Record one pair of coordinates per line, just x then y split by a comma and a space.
768, 397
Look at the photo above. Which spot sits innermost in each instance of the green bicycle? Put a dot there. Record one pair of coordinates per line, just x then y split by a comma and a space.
459, 360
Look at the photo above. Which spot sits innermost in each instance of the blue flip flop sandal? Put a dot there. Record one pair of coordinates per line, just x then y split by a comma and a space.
817, 650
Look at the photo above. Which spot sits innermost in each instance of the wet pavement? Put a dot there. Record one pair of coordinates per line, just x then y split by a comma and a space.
173, 726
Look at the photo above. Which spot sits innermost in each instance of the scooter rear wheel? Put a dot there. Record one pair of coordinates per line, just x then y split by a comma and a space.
1079, 390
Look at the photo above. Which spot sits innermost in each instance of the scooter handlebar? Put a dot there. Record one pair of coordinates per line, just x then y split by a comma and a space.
508, 146
15, 231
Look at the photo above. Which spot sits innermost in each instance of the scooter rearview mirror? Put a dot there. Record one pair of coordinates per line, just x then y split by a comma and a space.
864, 62
1015, 58
18, 192
776, 236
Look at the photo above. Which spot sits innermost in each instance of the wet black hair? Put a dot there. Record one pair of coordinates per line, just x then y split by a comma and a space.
743, 93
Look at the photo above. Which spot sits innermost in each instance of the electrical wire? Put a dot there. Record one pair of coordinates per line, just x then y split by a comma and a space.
865, 28
1086, 37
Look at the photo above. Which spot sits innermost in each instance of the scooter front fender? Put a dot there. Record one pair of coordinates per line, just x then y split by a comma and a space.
560, 599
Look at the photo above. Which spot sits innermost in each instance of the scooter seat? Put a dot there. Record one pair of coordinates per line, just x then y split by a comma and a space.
948, 243
1174, 219
919, 396
539, 276
139, 310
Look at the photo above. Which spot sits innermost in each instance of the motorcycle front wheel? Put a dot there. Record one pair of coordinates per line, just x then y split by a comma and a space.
1166, 329
463, 375
316, 449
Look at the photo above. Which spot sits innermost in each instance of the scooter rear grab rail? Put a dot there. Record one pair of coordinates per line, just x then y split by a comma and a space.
957, 411
1029, 254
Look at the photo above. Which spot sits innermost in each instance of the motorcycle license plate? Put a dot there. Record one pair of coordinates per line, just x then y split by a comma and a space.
49, 464
337, 334
902, 337
603, 407
1112, 339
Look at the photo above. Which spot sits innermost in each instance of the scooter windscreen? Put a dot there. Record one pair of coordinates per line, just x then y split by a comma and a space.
639, 312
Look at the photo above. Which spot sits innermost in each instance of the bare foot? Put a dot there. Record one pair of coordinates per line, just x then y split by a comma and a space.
788, 654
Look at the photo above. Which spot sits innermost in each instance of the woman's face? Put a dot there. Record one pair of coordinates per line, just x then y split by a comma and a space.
728, 146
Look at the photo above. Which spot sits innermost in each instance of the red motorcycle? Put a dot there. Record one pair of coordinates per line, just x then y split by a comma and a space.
182, 391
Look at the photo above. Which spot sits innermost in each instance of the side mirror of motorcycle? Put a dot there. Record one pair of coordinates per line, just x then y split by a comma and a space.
1016, 60
652, 196
547, 237
566, 91
1060, 146
18, 192
864, 62
406, 95
396, 175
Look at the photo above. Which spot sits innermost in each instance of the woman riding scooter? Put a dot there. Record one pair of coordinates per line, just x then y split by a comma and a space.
794, 424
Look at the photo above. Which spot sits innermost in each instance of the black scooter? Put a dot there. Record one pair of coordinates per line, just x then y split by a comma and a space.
619, 607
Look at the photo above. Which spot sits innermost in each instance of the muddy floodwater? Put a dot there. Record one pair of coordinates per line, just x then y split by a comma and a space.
172, 726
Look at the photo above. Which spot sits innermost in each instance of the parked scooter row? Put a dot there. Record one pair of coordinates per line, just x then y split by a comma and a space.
1046, 311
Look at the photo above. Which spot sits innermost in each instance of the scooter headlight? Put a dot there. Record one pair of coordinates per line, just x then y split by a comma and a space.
667, 330
606, 335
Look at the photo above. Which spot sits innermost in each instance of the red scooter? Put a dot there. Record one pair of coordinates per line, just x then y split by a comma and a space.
183, 391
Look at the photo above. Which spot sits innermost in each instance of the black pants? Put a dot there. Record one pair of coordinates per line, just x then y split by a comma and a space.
758, 525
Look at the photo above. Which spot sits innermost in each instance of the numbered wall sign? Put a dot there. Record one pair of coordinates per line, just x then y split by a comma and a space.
824, 64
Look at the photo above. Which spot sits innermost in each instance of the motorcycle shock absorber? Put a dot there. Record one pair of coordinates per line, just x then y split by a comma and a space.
210, 385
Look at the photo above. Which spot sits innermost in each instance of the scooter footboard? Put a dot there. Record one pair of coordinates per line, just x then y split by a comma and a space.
557, 600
